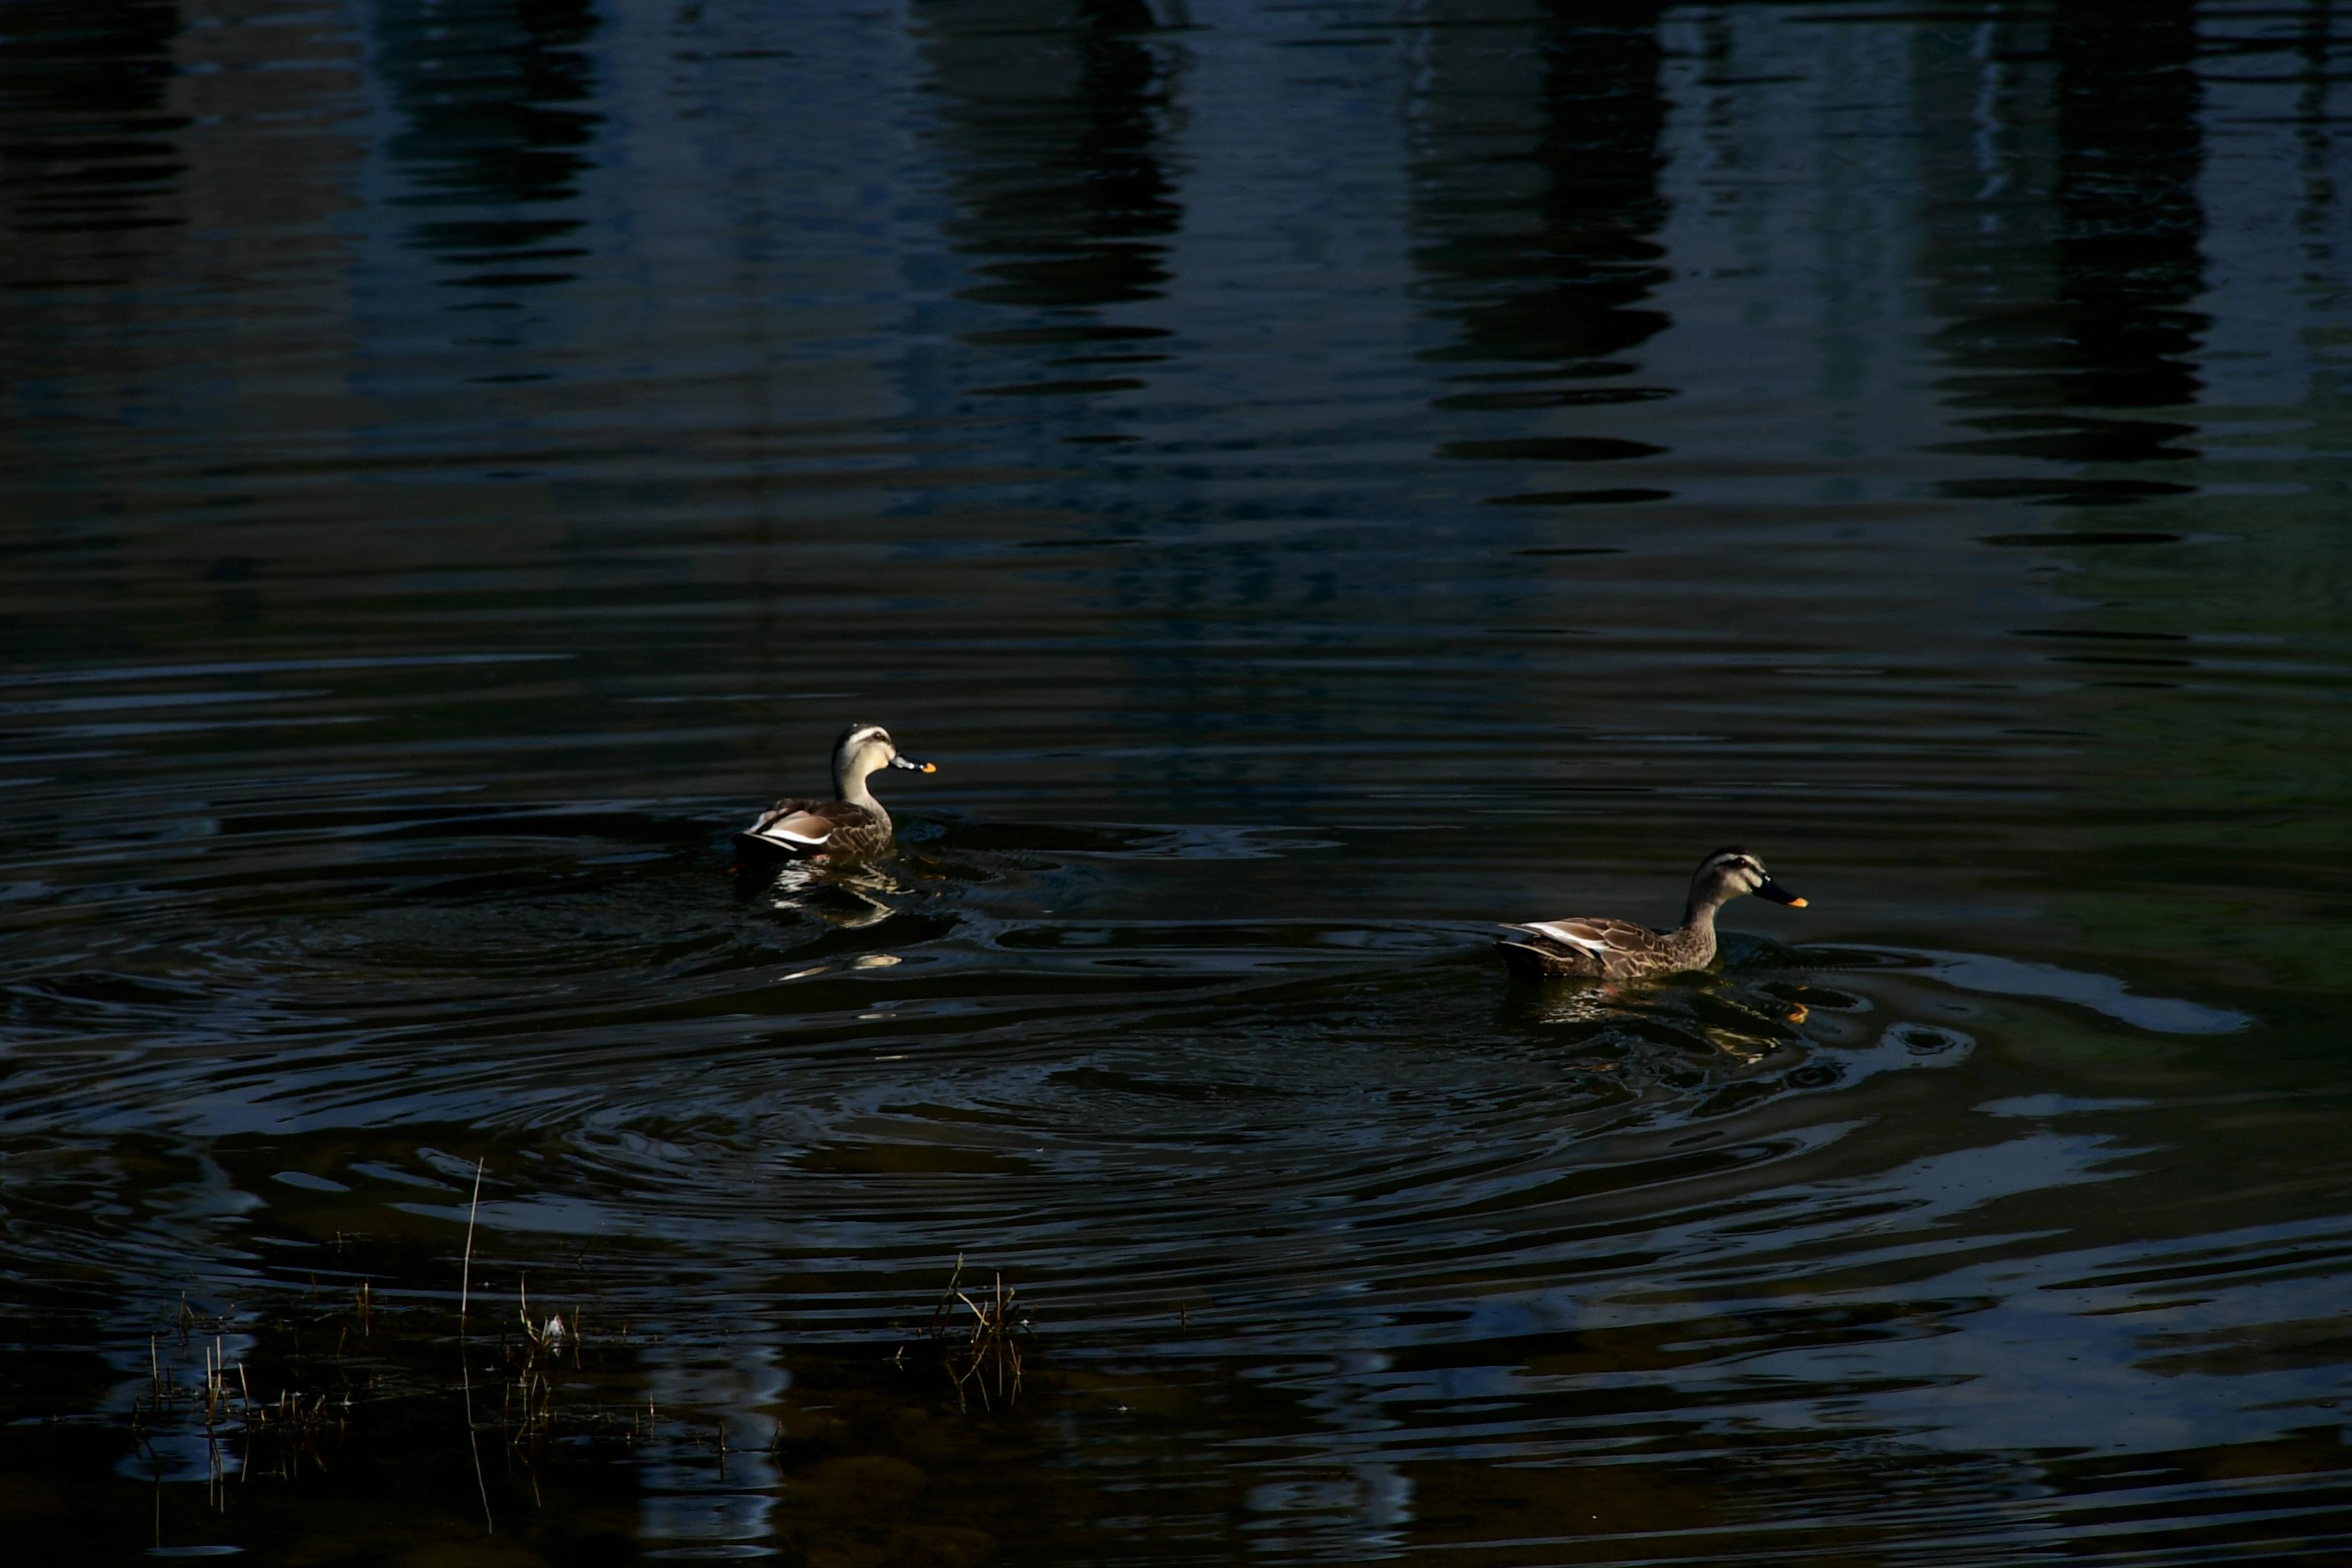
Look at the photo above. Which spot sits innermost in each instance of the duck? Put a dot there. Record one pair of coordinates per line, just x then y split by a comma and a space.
1604, 949
853, 826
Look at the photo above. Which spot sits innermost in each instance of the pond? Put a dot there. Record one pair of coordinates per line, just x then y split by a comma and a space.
1319, 480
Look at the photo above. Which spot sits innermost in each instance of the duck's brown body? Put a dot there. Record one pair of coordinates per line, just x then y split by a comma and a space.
807, 829
851, 828
1610, 949
1602, 949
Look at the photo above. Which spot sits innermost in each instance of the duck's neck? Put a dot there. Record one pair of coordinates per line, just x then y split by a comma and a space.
850, 784
1696, 936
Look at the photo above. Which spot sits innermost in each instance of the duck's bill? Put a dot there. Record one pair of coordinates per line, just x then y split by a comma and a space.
1779, 895
913, 766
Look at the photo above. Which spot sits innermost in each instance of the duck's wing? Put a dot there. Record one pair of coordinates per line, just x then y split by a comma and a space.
1543, 958
798, 826
808, 828
1591, 938
858, 833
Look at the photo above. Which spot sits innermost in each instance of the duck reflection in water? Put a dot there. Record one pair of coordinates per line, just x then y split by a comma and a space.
848, 898
1687, 1018
1599, 948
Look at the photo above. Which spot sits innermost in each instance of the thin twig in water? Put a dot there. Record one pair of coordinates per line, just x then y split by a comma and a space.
466, 1277
465, 1370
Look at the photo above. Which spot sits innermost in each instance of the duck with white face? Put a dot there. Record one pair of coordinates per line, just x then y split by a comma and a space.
850, 826
1598, 947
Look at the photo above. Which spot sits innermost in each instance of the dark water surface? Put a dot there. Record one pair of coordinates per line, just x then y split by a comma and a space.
1319, 478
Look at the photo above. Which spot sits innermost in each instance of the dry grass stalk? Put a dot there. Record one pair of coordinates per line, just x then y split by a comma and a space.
987, 1360
465, 1370
527, 1412
466, 1277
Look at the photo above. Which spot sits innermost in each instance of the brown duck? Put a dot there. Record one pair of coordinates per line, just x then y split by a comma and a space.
1601, 948
853, 827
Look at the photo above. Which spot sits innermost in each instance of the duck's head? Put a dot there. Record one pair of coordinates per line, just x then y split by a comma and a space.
1727, 873
863, 750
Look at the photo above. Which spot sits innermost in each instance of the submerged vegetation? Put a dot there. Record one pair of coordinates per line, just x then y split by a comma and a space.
986, 1358
543, 1412
241, 1435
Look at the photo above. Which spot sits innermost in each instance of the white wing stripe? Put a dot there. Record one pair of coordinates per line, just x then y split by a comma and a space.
1567, 938
786, 836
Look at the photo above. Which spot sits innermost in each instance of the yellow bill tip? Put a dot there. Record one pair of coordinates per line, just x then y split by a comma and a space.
1795, 903
931, 767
